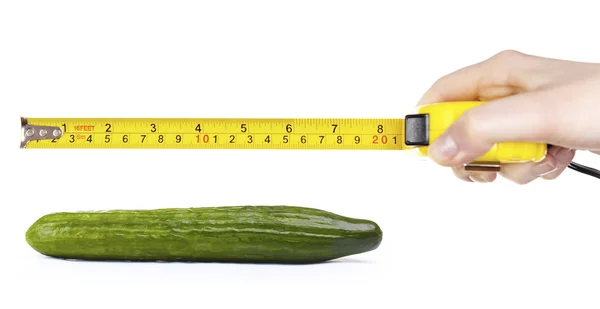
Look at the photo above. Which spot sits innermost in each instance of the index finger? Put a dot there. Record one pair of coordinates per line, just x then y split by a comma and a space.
468, 83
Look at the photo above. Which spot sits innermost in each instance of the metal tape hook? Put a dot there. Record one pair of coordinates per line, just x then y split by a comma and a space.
30, 132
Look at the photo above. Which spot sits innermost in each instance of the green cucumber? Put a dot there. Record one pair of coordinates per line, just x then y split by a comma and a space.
238, 234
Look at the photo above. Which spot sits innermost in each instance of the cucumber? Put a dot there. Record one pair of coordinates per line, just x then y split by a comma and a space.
234, 234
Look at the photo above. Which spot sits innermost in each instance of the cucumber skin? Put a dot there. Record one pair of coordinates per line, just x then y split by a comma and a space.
236, 234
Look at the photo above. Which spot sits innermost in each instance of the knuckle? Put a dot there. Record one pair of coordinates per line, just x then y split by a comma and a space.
440, 81
508, 56
543, 118
469, 119
470, 124
469, 133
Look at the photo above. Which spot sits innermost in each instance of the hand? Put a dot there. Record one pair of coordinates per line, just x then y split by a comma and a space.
530, 99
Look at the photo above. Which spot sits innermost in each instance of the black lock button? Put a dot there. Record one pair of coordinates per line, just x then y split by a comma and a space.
416, 130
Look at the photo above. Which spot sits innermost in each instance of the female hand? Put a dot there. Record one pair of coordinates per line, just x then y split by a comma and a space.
530, 99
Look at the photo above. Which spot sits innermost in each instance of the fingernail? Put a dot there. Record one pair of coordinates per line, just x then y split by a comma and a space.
478, 178
544, 168
443, 149
488, 177
564, 155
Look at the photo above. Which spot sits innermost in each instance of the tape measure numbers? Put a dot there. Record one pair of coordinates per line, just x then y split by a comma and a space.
414, 131
218, 133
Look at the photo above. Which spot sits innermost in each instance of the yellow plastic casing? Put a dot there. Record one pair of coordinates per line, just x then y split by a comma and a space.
444, 114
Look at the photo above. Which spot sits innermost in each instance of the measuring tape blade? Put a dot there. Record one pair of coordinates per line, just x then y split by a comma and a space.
214, 133
414, 131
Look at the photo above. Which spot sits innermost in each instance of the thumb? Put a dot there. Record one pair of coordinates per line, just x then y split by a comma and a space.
523, 117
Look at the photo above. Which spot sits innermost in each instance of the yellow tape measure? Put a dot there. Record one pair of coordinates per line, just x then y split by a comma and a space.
414, 131
217, 133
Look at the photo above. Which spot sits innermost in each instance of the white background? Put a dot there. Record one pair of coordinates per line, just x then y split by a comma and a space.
447, 244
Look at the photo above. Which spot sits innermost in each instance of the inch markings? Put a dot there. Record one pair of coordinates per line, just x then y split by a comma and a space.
215, 133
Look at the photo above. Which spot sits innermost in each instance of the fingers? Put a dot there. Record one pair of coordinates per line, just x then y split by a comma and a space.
528, 172
553, 165
503, 71
523, 117
515, 112
563, 156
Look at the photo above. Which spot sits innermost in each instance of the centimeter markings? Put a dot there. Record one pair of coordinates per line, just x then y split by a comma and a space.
225, 133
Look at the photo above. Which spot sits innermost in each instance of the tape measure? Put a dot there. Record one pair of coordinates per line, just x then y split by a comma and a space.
414, 131
216, 133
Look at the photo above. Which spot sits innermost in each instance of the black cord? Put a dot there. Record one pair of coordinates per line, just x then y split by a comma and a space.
584, 169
